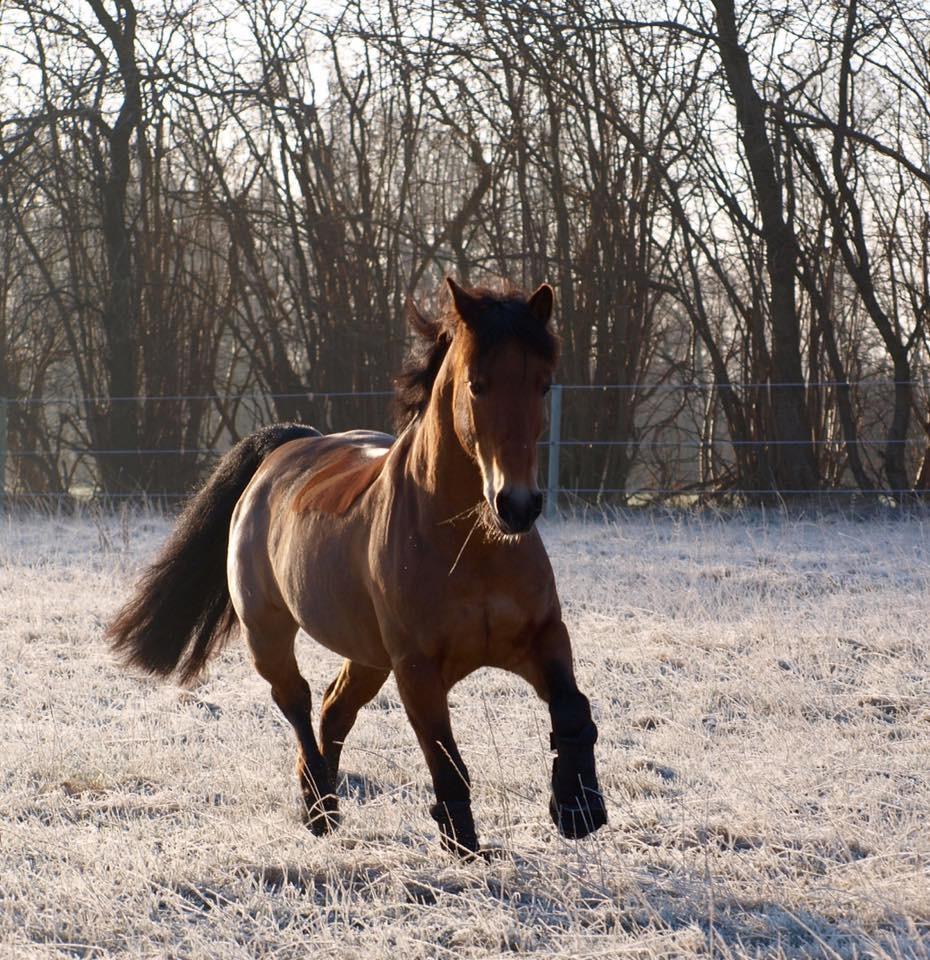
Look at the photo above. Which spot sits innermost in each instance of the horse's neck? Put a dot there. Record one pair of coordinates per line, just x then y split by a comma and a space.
448, 479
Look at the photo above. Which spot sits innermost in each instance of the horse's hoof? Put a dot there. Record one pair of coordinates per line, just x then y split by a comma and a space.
490, 854
464, 853
482, 854
321, 816
456, 828
581, 816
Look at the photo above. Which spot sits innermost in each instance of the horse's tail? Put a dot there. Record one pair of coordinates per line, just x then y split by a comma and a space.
181, 607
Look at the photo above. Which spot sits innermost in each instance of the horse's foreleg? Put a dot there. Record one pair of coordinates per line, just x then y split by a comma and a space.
577, 805
353, 687
426, 701
273, 654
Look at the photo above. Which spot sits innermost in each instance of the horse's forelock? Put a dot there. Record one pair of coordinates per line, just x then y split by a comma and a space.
505, 316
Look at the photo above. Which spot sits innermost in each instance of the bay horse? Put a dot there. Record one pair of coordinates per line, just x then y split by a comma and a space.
417, 555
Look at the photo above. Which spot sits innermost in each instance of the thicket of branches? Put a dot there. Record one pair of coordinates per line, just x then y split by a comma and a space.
218, 206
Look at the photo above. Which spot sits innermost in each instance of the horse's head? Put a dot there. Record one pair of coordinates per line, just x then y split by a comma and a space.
504, 355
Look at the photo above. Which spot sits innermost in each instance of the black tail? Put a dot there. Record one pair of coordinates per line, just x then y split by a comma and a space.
181, 606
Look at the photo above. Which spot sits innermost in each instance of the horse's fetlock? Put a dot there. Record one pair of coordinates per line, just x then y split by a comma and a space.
321, 813
320, 803
571, 718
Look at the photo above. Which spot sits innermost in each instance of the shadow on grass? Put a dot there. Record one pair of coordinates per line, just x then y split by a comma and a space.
553, 902
359, 788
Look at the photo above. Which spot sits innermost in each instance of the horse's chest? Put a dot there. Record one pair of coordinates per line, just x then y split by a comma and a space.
505, 618
484, 629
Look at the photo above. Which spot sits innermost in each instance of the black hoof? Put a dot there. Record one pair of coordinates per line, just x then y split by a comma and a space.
465, 854
456, 828
580, 816
321, 805
321, 814
490, 854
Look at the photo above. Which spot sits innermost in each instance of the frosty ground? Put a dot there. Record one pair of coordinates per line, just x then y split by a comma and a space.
762, 688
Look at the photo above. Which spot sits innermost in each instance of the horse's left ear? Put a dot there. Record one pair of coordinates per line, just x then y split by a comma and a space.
418, 322
540, 303
466, 306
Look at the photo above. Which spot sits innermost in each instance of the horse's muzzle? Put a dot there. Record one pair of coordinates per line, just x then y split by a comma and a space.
517, 509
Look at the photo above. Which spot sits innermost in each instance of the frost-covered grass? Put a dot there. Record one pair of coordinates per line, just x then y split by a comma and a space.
763, 700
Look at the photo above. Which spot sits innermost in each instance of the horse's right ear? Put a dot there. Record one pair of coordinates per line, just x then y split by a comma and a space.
419, 322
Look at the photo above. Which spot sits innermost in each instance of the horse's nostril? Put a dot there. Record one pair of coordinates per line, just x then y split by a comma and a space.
518, 509
502, 505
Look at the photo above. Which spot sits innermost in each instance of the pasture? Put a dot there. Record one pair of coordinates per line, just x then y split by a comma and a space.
762, 690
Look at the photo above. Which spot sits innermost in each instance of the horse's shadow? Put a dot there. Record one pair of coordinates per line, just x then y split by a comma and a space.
530, 885
359, 788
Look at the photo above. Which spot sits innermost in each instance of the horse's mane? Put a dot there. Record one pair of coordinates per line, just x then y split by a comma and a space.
505, 316
414, 384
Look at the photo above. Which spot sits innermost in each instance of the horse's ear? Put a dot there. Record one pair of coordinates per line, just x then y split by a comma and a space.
418, 321
466, 306
540, 303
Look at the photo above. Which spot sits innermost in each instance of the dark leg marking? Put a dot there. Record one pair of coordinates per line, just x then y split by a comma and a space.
577, 805
320, 803
426, 701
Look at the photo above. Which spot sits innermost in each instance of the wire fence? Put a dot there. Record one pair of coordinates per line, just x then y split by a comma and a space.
653, 463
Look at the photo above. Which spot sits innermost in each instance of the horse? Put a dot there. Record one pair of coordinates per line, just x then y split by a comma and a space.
417, 555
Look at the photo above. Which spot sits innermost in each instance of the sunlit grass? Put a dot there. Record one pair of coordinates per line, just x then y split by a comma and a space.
764, 707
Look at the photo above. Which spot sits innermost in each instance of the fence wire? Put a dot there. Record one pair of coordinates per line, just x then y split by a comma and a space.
76, 456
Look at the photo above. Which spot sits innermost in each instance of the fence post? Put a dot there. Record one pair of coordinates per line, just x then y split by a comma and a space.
3, 403
555, 443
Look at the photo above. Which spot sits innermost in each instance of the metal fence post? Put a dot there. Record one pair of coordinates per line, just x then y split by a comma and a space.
2, 451
555, 443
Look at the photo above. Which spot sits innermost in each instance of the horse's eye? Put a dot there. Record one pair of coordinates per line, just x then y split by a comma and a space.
477, 387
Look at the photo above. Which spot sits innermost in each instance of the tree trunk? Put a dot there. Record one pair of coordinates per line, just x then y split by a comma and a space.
795, 464
122, 472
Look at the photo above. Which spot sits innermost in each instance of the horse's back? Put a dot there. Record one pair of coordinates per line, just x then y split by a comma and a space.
344, 467
326, 472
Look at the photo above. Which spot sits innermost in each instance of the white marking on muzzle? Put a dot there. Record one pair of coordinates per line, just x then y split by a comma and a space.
494, 480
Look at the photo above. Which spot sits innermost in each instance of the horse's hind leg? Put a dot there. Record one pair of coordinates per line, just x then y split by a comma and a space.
273, 654
353, 687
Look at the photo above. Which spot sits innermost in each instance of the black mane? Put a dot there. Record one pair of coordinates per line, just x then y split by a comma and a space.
505, 316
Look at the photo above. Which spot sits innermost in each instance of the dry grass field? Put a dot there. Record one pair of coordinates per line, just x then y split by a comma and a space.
762, 688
